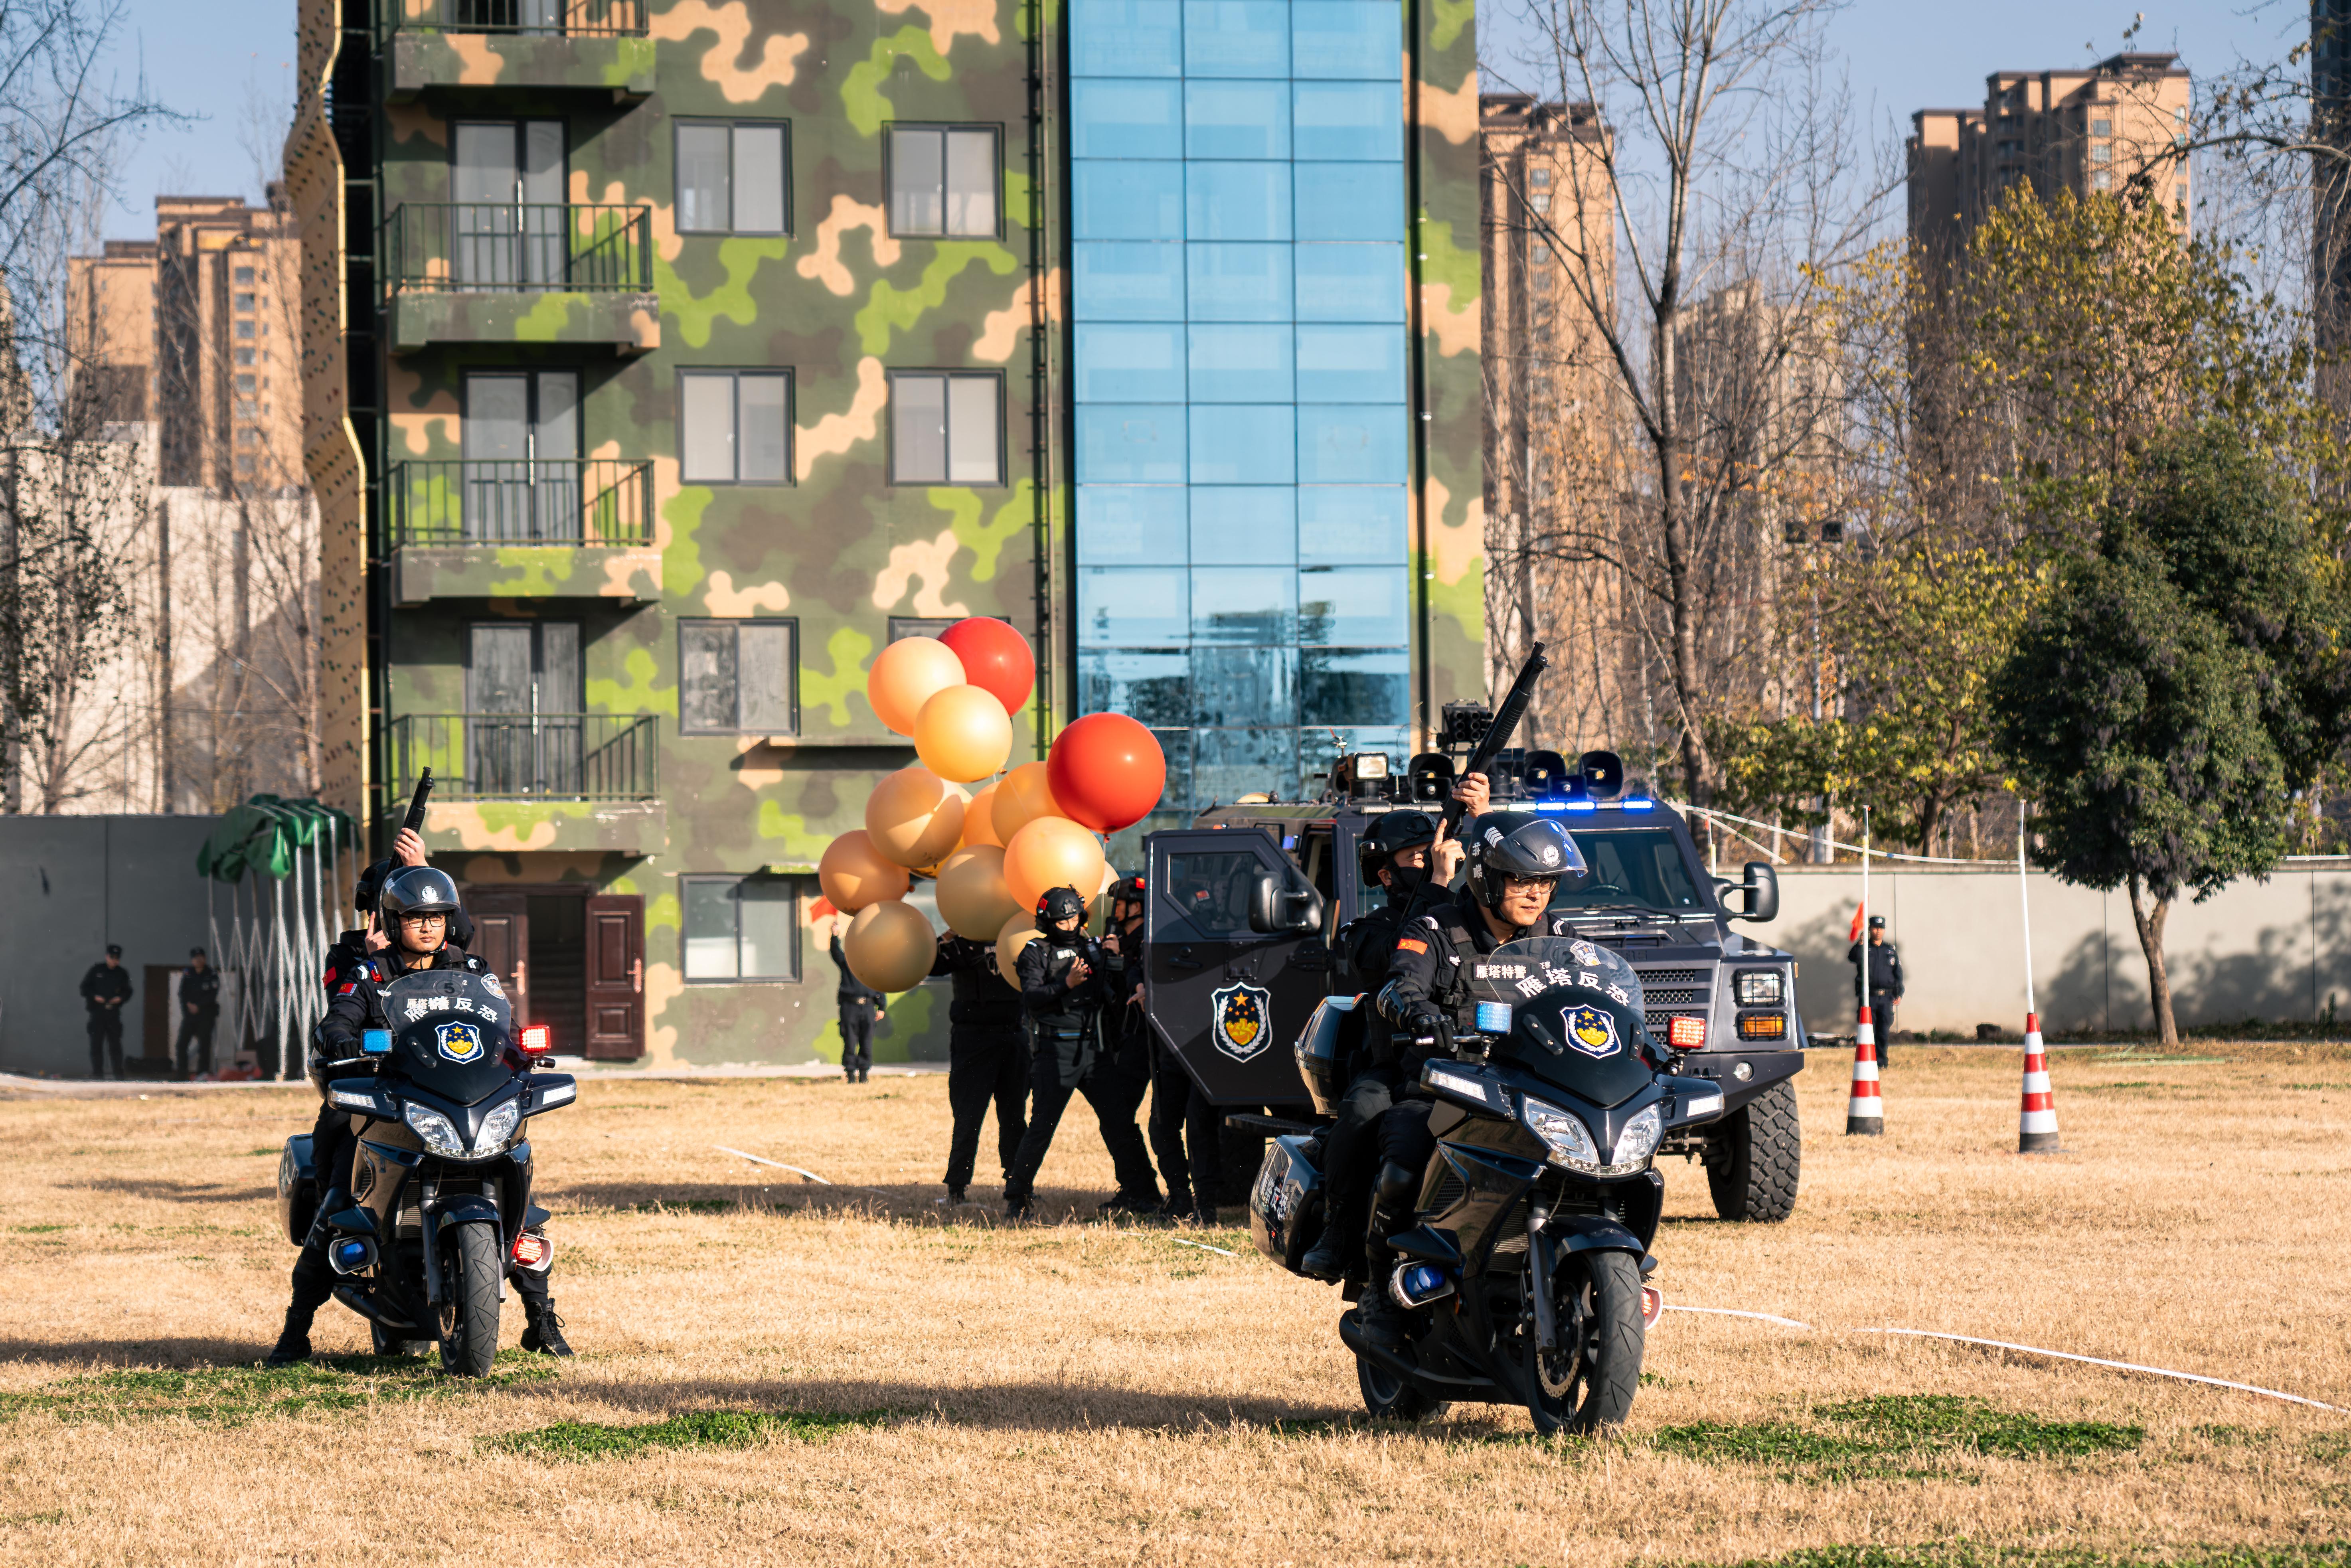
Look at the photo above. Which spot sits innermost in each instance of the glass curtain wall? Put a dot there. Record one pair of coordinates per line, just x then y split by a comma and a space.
1238, 278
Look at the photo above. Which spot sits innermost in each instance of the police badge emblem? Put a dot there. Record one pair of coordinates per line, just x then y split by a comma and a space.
1592, 1030
1240, 1020
459, 1042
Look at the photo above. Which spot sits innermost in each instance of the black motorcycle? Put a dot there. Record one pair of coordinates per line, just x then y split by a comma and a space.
1523, 1273
441, 1189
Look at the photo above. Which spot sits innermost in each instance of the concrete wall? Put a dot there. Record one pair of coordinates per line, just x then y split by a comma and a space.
2279, 949
70, 885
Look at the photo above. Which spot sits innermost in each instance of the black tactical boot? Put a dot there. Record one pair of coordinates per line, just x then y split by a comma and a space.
1120, 1203
545, 1333
956, 1198
1179, 1205
293, 1343
1381, 1320
1339, 1247
1018, 1211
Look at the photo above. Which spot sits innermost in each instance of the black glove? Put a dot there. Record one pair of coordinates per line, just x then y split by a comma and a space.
1428, 1022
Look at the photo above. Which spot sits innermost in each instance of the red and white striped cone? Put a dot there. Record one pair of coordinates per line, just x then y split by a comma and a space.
2036, 1121
1866, 1112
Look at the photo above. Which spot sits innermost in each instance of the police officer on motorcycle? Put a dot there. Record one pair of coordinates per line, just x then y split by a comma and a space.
1516, 861
415, 907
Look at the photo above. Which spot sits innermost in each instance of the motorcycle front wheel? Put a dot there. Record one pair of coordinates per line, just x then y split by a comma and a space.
468, 1326
1587, 1384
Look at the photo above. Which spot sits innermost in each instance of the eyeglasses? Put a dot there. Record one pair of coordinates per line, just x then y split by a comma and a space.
432, 917
1513, 883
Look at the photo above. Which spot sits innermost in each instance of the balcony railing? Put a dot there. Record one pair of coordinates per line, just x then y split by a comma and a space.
493, 247
530, 757
536, 501
546, 18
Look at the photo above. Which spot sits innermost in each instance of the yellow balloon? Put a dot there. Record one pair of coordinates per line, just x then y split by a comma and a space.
1017, 933
915, 817
1051, 852
1021, 797
973, 899
979, 821
963, 733
908, 674
890, 946
854, 874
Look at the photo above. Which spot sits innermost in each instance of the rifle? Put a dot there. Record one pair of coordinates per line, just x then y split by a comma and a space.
415, 822
1499, 732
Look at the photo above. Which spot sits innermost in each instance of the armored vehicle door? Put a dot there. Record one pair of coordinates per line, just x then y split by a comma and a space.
1227, 998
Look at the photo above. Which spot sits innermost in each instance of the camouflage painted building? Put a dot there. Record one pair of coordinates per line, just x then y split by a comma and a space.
666, 358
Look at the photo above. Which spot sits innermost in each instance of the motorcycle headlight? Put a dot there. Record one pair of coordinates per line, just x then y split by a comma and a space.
432, 1126
1639, 1139
1757, 988
1569, 1140
497, 1127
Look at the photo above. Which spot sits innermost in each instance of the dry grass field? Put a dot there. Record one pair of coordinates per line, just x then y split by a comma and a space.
774, 1372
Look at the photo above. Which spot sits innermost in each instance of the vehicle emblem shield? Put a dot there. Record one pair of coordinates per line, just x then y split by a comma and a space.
1592, 1030
1240, 1020
459, 1042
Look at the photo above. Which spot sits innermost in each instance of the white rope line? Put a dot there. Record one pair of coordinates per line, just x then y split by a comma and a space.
1202, 1246
2030, 1350
762, 1160
1874, 854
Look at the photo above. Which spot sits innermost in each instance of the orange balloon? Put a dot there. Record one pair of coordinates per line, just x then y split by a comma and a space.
1021, 797
979, 820
963, 733
1051, 852
854, 874
908, 674
1017, 933
890, 946
915, 817
973, 899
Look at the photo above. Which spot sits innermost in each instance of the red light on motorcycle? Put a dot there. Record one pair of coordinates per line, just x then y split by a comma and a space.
1686, 1033
537, 1039
1653, 1306
533, 1252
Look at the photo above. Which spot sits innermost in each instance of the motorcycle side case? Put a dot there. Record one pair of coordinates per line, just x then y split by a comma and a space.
1286, 1201
297, 1188
1330, 1040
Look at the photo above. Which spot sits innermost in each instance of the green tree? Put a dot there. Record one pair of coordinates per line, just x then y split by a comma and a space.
2167, 699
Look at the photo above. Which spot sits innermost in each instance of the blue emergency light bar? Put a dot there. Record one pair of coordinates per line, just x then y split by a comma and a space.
375, 1041
1493, 1018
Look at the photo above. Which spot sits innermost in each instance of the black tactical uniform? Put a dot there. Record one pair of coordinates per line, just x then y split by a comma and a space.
1879, 984
987, 1058
860, 1004
199, 1012
104, 991
1184, 1126
1066, 1044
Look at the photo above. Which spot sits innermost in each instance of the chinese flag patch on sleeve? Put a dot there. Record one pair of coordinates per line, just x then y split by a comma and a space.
1411, 945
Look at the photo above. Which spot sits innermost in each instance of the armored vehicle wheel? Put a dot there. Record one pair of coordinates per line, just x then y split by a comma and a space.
1588, 1382
387, 1344
469, 1318
1755, 1157
1389, 1398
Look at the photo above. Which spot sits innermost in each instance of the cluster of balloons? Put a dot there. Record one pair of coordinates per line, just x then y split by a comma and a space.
994, 850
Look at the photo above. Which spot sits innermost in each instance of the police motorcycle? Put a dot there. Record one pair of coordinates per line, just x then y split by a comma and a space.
441, 1186
1522, 1272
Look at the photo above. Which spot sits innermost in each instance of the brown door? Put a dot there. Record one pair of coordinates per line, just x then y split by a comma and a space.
502, 940
161, 1017
616, 976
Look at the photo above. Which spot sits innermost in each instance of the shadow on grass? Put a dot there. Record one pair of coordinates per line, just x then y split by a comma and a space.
174, 1191
786, 1194
231, 1395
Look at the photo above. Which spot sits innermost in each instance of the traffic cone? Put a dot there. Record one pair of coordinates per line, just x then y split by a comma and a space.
1866, 1112
2036, 1121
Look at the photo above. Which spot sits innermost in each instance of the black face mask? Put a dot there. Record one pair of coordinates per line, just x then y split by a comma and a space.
1404, 880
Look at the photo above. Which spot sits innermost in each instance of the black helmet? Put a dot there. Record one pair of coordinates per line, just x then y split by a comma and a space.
1391, 835
371, 884
1060, 903
1504, 844
416, 890
1127, 889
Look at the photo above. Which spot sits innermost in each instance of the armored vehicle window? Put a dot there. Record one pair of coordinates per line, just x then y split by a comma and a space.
740, 928
946, 429
943, 181
732, 179
1213, 890
737, 678
1640, 866
735, 427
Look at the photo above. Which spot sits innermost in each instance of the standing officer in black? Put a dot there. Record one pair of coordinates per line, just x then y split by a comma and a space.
860, 1008
1877, 977
1064, 986
1184, 1125
987, 1058
1122, 1072
1516, 860
104, 990
199, 1011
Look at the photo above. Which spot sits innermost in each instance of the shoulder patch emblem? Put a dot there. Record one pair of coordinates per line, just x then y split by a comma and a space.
1240, 1020
1411, 945
1592, 1030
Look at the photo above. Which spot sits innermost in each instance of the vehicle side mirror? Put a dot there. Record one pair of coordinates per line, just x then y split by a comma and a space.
1274, 909
1762, 893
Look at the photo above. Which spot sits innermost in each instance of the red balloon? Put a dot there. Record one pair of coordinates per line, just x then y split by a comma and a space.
996, 658
1106, 771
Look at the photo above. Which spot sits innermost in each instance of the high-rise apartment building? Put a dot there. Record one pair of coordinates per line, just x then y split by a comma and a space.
666, 359
2085, 130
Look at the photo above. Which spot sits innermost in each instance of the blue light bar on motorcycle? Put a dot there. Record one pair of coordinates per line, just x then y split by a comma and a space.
376, 1041
1493, 1018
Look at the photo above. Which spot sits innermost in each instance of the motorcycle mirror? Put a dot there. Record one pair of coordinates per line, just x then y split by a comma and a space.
375, 1043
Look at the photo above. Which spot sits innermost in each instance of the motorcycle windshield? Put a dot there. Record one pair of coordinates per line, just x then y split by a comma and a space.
450, 1031
1575, 1015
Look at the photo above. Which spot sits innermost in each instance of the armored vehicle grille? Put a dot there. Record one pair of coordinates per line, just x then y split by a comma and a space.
1671, 997
1671, 977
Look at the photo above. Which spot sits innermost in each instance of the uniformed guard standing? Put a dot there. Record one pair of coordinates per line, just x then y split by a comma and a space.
1184, 1127
1877, 981
987, 1059
862, 1007
104, 990
199, 1012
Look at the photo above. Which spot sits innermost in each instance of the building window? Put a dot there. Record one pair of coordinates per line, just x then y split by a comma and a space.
243, 274
247, 436
737, 678
244, 356
245, 328
735, 427
244, 302
2100, 180
734, 178
2102, 128
946, 429
244, 463
2102, 153
1538, 178
943, 181
740, 928
2179, 194
902, 626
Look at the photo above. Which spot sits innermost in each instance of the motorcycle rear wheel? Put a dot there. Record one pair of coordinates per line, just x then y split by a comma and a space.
1587, 1384
468, 1326
1389, 1397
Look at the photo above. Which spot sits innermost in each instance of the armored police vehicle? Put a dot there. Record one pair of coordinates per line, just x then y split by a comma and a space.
1244, 906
